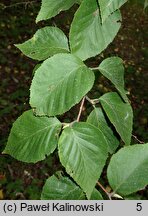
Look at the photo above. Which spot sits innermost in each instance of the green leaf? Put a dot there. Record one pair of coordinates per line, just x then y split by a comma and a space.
97, 119
96, 195
51, 8
112, 68
61, 189
133, 196
107, 7
46, 42
119, 113
32, 138
83, 152
79, 1
128, 169
88, 37
35, 68
145, 4
60, 83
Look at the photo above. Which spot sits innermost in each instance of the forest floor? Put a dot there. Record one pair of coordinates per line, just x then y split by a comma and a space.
23, 181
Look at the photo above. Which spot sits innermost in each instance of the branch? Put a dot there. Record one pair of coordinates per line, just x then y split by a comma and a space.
101, 186
137, 139
16, 4
95, 68
81, 108
92, 101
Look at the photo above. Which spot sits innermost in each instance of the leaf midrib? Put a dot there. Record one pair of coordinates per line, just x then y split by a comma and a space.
60, 82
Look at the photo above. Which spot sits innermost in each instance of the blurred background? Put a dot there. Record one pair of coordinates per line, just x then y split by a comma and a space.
17, 23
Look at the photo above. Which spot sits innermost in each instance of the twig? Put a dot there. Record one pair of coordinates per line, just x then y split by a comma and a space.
11, 171
92, 101
16, 4
108, 194
137, 139
95, 68
81, 108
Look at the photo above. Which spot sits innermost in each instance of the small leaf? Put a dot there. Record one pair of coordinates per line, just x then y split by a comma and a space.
112, 68
88, 37
119, 113
128, 169
46, 42
96, 195
31, 137
61, 189
97, 119
107, 7
51, 8
60, 83
145, 4
83, 152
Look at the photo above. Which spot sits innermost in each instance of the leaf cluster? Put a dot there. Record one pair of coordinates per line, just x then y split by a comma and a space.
61, 80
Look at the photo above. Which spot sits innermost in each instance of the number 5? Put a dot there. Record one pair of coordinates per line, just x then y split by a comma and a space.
139, 207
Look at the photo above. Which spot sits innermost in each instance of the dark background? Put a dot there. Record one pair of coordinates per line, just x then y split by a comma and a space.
17, 23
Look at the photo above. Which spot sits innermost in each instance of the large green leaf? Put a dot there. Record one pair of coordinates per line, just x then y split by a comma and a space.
97, 119
107, 7
61, 188
88, 37
119, 113
128, 169
59, 83
51, 8
113, 69
32, 138
45, 43
83, 152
